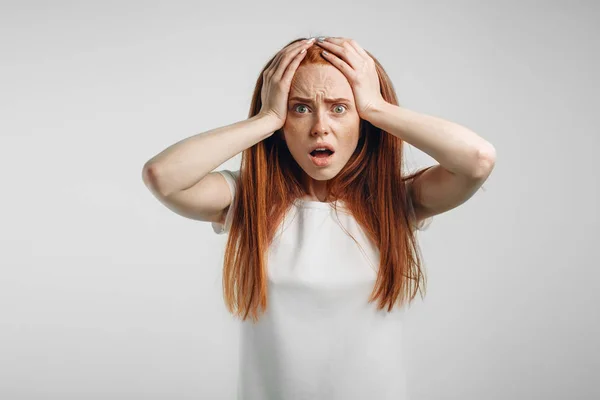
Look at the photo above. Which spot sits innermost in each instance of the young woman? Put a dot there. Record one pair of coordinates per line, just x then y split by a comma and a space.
322, 251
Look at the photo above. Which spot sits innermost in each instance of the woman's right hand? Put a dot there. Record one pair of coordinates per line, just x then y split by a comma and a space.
277, 79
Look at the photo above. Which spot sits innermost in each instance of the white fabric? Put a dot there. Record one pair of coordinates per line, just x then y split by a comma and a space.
231, 178
320, 339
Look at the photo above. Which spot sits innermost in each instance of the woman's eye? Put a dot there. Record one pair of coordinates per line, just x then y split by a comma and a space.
297, 107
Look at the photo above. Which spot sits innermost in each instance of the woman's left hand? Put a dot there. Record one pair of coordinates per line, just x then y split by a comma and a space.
359, 68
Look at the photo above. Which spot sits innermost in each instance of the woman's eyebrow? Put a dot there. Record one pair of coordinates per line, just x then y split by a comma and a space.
336, 100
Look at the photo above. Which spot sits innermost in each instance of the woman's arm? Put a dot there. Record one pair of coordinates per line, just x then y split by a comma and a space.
183, 164
465, 159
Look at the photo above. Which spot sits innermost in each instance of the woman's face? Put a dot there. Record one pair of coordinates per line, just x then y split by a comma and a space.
315, 120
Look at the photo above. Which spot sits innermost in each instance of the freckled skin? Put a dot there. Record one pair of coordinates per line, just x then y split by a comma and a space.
309, 123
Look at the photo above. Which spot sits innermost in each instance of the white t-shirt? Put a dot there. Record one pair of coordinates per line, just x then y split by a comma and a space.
319, 338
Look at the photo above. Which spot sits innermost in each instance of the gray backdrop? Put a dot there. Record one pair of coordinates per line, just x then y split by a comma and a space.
107, 294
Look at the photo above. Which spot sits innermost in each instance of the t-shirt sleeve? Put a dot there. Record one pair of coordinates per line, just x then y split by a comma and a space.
424, 223
231, 177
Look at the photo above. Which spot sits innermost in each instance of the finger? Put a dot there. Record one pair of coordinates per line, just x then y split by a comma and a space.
339, 41
288, 57
291, 69
342, 65
282, 53
276, 60
358, 48
344, 52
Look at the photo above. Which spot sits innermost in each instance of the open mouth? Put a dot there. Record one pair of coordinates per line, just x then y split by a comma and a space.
321, 158
321, 153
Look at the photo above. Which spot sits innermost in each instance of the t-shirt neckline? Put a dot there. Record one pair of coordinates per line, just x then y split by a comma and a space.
317, 204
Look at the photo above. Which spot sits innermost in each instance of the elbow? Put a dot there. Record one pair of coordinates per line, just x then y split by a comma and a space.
150, 178
485, 160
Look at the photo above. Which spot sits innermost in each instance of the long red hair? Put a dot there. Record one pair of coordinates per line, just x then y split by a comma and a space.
370, 184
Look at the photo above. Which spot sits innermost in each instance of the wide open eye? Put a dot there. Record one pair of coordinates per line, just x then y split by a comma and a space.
299, 105
302, 105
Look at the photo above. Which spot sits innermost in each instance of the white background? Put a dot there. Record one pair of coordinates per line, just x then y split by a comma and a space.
107, 294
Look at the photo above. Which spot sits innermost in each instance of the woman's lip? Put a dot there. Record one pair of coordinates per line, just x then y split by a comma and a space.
327, 149
326, 146
321, 161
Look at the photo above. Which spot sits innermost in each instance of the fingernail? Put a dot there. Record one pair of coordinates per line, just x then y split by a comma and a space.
321, 39
310, 40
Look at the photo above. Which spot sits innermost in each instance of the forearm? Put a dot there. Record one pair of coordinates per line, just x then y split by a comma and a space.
455, 147
186, 162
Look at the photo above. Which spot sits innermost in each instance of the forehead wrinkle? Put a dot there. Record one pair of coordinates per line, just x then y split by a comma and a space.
320, 82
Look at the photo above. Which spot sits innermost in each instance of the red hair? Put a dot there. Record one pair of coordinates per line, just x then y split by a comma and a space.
370, 184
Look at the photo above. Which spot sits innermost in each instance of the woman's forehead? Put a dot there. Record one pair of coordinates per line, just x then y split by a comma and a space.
312, 80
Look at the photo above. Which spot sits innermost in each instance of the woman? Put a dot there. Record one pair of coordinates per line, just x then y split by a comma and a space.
321, 221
